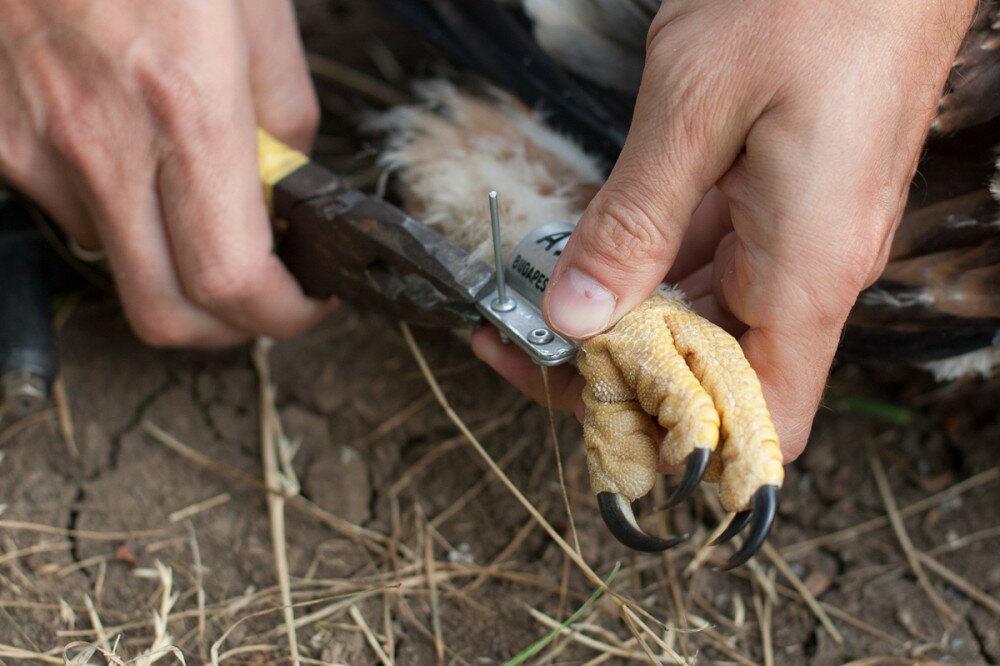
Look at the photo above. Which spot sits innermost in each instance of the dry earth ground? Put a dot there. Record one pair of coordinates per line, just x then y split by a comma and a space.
375, 444
403, 545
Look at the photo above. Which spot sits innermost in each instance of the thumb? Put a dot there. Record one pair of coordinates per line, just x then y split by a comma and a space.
680, 144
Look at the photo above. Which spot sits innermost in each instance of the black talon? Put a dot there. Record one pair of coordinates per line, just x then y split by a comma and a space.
764, 508
618, 516
695, 466
734, 527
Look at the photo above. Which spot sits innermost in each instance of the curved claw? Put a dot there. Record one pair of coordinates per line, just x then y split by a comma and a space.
734, 527
694, 469
618, 516
764, 508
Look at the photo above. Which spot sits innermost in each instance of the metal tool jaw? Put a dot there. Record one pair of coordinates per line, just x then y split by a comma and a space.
368, 252
524, 326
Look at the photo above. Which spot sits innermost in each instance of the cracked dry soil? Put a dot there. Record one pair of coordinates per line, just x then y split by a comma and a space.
352, 394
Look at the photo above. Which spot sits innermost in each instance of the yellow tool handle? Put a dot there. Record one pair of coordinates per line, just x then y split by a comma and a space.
276, 161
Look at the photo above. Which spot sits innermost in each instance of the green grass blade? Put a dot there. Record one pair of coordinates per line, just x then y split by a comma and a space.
540, 644
870, 407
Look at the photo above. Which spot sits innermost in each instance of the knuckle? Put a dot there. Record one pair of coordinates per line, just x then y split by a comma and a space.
860, 259
164, 85
627, 233
828, 303
76, 130
178, 100
670, 18
223, 285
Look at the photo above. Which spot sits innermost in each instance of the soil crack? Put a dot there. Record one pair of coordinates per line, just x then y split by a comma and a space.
71, 525
137, 418
981, 641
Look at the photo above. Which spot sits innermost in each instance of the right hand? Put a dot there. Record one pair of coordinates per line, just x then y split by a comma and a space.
133, 125
766, 168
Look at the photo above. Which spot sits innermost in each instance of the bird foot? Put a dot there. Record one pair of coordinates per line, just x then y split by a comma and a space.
666, 387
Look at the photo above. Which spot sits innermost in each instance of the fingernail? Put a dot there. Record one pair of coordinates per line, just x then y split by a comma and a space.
579, 306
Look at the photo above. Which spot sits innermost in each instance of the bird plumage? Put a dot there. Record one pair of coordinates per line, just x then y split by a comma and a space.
939, 296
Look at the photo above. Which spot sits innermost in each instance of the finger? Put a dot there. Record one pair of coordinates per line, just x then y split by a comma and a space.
218, 228
138, 253
283, 94
708, 306
698, 284
689, 124
565, 384
709, 223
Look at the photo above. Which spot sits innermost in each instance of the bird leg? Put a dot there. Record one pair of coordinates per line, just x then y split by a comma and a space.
664, 369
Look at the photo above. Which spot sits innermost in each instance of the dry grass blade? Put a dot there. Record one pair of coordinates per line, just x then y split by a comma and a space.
559, 466
279, 478
160, 646
396, 420
633, 617
965, 587
198, 507
961, 542
475, 489
522, 534
847, 618
577, 636
346, 600
525, 502
948, 616
629, 621
803, 547
199, 573
370, 636
246, 649
764, 607
11, 652
720, 643
435, 596
44, 547
800, 587
888, 661
22, 424
95, 622
363, 535
65, 417
445, 446
390, 638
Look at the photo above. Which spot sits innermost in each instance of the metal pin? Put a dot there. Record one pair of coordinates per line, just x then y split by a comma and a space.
502, 302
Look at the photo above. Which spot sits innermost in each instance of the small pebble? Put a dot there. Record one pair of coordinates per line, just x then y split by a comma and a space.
462, 554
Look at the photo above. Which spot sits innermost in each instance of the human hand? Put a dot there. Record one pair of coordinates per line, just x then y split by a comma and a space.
133, 124
766, 169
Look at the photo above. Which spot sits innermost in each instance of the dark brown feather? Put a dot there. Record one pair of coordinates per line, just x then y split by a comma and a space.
972, 95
